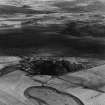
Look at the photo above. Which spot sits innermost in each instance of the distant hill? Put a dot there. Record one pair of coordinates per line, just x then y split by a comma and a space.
9, 9
75, 7
63, 5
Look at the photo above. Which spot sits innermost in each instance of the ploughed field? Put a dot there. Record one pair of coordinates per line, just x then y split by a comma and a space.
15, 87
18, 87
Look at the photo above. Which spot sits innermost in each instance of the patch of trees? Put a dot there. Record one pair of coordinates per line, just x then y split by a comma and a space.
54, 67
8, 69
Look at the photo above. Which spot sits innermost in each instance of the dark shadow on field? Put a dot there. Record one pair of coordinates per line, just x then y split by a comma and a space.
28, 39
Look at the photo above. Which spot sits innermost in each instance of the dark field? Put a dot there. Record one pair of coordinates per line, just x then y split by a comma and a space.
62, 43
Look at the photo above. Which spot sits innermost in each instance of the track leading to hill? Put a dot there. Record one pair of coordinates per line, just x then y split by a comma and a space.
51, 96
